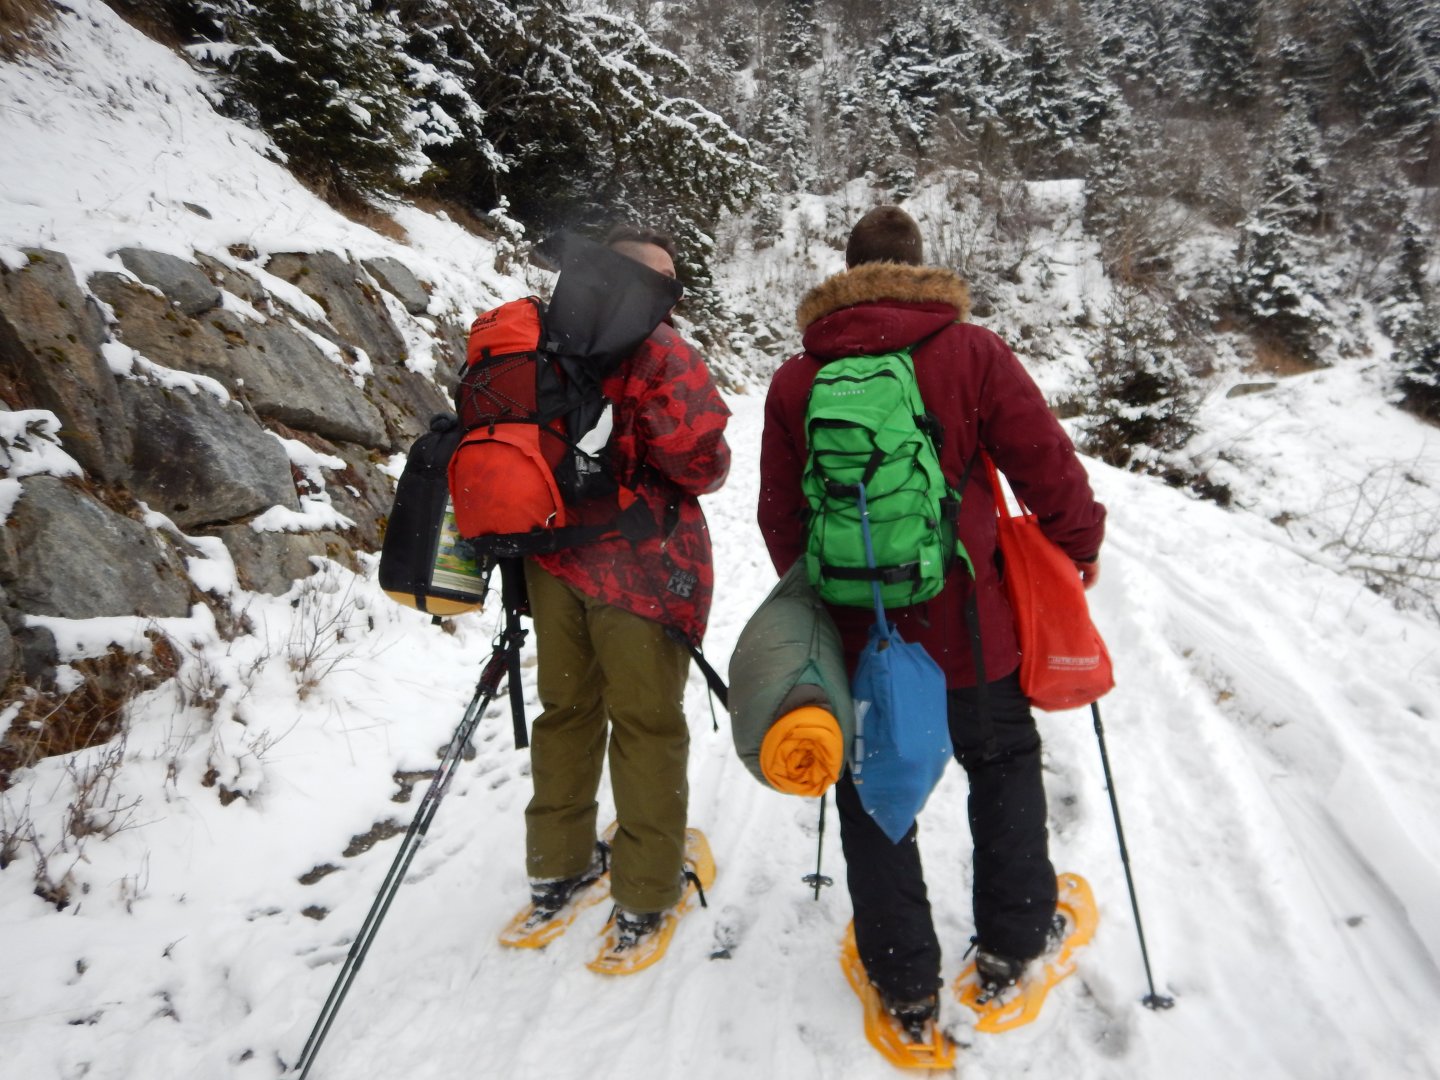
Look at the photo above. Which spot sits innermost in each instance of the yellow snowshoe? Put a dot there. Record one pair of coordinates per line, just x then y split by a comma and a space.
885, 1031
624, 952
1018, 1005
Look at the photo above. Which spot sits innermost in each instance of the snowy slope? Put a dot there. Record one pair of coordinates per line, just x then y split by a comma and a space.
1274, 740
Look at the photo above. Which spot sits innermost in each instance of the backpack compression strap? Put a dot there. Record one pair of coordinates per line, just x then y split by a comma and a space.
949, 509
634, 523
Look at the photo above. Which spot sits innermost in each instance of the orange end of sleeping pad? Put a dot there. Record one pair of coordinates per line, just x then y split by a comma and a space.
803, 752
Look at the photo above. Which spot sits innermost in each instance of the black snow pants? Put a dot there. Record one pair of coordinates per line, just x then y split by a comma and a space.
1014, 887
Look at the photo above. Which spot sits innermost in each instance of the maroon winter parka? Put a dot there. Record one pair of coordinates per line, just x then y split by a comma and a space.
975, 387
668, 445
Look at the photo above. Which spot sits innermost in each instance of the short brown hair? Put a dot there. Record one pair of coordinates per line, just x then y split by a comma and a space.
885, 234
625, 233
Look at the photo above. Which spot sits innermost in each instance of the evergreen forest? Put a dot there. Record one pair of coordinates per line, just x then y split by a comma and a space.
1264, 172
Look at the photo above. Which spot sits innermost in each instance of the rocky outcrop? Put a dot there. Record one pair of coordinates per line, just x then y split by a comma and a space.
271, 562
407, 400
8, 651
183, 284
200, 460
171, 383
395, 277
272, 366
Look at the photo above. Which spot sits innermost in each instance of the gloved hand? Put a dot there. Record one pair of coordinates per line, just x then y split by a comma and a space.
636, 522
1089, 572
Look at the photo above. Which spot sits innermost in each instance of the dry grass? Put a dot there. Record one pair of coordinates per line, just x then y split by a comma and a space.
19, 25
50, 722
373, 218
462, 216
1276, 358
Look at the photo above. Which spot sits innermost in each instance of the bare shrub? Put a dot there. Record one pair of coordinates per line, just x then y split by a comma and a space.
98, 807
1386, 531
323, 635
992, 230
17, 829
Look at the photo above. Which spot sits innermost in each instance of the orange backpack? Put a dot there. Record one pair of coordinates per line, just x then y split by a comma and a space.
1063, 661
503, 475
531, 390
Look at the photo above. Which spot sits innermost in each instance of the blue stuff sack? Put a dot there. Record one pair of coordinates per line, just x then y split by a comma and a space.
902, 734
902, 737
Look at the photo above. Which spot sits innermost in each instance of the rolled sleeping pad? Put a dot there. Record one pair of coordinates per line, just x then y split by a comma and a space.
791, 714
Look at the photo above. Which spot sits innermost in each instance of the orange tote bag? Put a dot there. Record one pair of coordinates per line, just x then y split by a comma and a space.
1063, 661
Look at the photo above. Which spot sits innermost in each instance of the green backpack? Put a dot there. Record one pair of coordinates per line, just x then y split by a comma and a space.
865, 422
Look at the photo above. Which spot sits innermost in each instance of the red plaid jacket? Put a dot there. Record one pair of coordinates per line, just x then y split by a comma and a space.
668, 445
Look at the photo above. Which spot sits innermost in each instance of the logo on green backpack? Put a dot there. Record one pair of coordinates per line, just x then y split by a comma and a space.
865, 423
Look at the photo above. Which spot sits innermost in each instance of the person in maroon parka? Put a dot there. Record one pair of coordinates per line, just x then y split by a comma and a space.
983, 399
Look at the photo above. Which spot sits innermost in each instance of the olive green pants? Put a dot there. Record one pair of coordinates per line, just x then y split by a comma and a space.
599, 667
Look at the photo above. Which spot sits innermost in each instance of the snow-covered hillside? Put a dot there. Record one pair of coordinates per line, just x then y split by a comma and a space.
1274, 738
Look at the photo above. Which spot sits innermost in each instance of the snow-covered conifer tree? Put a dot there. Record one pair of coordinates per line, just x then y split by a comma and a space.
800, 37
1411, 316
1385, 74
1272, 284
783, 129
323, 79
1139, 394
1225, 45
1051, 104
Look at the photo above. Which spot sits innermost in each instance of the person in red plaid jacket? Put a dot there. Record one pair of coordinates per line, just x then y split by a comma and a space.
607, 617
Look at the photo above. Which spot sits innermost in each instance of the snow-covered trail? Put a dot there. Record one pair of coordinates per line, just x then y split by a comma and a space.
1273, 740
1270, 739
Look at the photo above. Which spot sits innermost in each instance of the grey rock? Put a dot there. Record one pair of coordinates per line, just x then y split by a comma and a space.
281, 373
50, 336
452, 339
200, 460
1245, 389
271, 562
184, 283
356, 314
9, 653
362, 493
78, 559
395, 277
285, 377
235, 281
159, 332
8, 555
36, 653
407, 401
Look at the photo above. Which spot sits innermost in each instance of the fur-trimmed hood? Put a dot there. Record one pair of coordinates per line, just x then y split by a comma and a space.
871, 282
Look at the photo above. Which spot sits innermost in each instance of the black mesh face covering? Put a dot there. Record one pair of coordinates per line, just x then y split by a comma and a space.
604, 305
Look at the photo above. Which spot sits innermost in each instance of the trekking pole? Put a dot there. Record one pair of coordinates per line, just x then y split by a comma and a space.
1151, 1000
817, 879
485, 691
